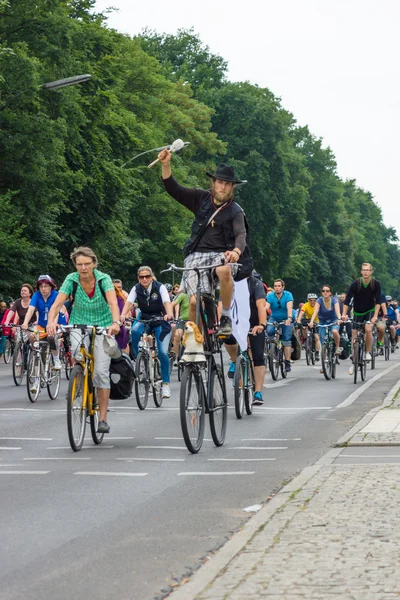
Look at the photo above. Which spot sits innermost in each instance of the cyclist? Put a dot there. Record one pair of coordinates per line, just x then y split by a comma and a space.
93, 302
42, 301
152, 298
306, 312
366, 292
4, 332
280, 302
20, 306
328, 312
392, 318
219, 233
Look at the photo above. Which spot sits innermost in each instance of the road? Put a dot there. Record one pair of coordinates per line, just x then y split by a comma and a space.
130, 518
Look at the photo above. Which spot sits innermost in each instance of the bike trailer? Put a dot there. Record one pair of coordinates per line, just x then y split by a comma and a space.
122, 374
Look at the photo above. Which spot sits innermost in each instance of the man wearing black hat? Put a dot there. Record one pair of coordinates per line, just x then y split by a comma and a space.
218, 235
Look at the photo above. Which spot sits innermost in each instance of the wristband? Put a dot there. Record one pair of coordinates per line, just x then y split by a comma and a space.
262, 325
236, 252
117, 323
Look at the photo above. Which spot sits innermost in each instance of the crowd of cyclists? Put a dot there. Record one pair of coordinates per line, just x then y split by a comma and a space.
219, 238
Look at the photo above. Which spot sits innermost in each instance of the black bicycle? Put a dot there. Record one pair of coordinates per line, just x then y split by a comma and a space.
329, 358
359, 351
20, 355
147, 366
243, 383
309, 345
203, 388
276, 356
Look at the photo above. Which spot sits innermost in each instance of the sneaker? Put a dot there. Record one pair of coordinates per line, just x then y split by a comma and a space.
317, 357
231, 370
103, 427
338, 351
166, 391
288, 366
397, 346
57, 364
368, 356
351, 370
257, 399
225, 326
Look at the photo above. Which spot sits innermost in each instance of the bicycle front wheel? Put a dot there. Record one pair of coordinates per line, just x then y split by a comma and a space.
362, 362
7, 351
142, 383
69, 363
191, 408
355, 360
18, 364
33, 377
76, 409
239, 383
157, 387
326, 358
387, 347
218, 405
94, 420
248, 392
274, 360
54, 380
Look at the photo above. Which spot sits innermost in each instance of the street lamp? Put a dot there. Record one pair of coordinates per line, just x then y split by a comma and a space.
52, 85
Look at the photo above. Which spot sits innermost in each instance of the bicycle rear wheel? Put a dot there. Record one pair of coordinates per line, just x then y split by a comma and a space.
8, 350
76, 409
326, 359
157, 387
274, 360
387, 346
282, 363
33, 377
18, 364
142, 381
191, 408
69, 363
239, 383
362, 362
355, 360
54, 379
94, 420
218, 405
248, 392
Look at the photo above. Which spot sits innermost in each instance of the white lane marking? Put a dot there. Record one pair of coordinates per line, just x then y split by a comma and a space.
324, 419
121, 438
258, 448
218, 473
179, 439
35, 410
162, 447
9, 448
59, 458
11, 465
253, 508
109, 474
238, 459
152, 459
24, 472
94, 447
353, 397
271, 439
162, 408
295, 407
283, 382
28, 439
369, 456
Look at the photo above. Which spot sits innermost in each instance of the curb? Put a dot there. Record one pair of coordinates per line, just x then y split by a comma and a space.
211, 569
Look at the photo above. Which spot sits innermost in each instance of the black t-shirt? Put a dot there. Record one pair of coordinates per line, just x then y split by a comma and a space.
21, 311
257, 292
365, 298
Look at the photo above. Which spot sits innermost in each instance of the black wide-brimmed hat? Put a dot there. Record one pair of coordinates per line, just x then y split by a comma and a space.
226, 173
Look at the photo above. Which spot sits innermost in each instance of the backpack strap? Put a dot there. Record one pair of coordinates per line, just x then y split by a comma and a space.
69, 303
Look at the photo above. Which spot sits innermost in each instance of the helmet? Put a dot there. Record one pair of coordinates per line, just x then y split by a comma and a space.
45, 279
388, 298
312, 296
168, 286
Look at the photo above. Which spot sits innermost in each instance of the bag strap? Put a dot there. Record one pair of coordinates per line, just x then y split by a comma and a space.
205, 227
75, 287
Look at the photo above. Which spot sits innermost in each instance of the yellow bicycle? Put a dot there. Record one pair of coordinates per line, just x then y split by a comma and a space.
82, 395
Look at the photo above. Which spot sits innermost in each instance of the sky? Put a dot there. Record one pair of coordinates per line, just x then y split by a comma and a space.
335, 64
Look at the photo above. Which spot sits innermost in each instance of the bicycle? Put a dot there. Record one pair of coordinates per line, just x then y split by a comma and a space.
203, 389
374, 347
276, 357
66, 355
359, 360
329, 358
148, 367
20, 355
82, 395
243, 383
40, 369
310, 347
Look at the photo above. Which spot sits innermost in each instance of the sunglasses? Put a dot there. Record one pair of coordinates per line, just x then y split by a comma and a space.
326, 291
144, 276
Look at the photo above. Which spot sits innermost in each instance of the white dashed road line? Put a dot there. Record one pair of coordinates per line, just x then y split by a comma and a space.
109, 474
153, 459
218, 473
238, 459
258, 448
24, 472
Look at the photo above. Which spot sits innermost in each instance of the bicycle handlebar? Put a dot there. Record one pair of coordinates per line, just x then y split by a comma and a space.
173, 267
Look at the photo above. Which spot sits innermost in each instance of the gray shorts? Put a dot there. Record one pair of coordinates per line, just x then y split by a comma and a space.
101, 375
207, 278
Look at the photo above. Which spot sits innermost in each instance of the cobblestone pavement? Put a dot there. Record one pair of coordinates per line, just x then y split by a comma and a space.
336, 537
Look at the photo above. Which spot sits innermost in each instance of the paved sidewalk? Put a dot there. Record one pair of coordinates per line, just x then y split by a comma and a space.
331, 533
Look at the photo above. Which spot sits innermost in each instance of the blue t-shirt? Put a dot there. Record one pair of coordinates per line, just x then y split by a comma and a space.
325, 314
279, 305
43, 307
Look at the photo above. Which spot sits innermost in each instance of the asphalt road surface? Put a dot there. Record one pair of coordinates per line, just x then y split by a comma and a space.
130, 518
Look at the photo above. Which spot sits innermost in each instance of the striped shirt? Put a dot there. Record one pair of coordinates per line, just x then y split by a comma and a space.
85, 310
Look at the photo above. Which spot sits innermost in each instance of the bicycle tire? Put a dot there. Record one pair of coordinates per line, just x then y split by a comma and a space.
355, 359
76, 411
54, 380
239, 386
218, 406
8, 351
157, 387
282, 363
308, 350
69, 363
326, 360
30, 377
313, 351
142, 381
335, 361
192, 409
94, 420
274, 361
387, 349
362, 362
248, 392
373, 356
18, 364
